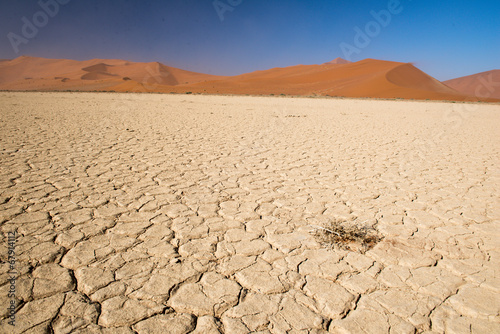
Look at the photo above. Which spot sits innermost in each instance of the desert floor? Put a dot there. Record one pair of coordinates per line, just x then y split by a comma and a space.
193, 214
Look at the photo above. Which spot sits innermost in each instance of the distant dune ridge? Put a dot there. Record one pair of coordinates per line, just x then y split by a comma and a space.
32, 73
485, 84
339, 61
339, 77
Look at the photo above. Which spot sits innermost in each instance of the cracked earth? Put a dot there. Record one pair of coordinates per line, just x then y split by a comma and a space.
193, 214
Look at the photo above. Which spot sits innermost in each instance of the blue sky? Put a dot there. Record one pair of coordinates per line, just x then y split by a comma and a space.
445, 38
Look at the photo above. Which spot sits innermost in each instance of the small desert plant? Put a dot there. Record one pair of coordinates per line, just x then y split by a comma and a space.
346, 235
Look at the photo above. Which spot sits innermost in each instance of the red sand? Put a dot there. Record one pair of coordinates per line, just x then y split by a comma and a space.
367, 78
485, 84
31, 73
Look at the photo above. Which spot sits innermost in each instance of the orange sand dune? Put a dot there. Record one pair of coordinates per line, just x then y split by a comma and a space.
481, 85
32, 73
367, 78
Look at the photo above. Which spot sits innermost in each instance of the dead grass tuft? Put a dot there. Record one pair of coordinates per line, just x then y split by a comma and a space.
347, 235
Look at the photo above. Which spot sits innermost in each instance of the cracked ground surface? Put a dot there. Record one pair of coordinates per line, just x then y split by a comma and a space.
193, 214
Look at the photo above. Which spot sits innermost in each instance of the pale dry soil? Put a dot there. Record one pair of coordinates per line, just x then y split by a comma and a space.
193, 214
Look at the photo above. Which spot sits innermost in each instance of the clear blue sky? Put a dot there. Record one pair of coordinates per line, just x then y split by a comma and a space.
445, 38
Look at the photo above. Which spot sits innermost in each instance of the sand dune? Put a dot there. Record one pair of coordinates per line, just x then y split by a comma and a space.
485, 84
367, 78
96, 72
32, 73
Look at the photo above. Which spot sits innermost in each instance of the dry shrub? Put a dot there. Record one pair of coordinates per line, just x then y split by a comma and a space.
346, 235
